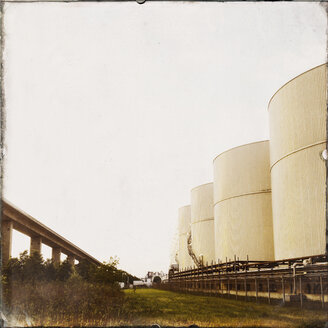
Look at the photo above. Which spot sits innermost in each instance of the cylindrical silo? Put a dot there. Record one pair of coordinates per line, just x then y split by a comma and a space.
298, 134
174, 253
242, 203
184, 258
202, 223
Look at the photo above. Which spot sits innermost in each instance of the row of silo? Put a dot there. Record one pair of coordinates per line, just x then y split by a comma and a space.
268, 198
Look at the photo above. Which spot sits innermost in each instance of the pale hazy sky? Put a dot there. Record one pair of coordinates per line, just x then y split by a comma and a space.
114, 111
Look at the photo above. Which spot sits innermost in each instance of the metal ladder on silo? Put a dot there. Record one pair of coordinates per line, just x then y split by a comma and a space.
191, 252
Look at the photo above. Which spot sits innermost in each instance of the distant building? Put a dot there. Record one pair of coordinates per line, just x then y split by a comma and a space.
155, 277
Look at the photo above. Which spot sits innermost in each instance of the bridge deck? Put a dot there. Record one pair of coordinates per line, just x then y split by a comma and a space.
29, 226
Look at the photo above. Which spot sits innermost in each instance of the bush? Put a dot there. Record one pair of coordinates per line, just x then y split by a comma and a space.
40, 292
64, 302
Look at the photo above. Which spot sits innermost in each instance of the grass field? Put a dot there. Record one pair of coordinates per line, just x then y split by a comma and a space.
151, 306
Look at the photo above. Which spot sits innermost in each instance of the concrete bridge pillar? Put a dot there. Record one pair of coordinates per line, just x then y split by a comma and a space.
71, 259
35, 245
56, 255
6, 240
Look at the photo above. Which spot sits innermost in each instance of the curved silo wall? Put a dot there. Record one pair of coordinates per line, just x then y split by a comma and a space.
174, 250
184, 258
202, 222
242, 203
298, 136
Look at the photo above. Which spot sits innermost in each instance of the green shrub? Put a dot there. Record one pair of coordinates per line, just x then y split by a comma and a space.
41, 292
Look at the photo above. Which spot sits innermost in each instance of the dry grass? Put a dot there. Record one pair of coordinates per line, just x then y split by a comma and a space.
71, 303
150, 306
77, 303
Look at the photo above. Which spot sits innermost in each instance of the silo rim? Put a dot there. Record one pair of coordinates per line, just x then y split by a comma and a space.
309, 70
184, 206
202, 185
251, 143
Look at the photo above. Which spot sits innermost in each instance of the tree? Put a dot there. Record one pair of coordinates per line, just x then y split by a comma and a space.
85, 269
50, 270
32, 267
64, 271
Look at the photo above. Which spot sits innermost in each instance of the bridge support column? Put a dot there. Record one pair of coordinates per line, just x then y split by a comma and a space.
71, 259
6, 240
35, 245
56, 255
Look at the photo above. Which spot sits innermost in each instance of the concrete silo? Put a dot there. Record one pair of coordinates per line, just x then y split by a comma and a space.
184, 258
202, 223
242, 203
298, 134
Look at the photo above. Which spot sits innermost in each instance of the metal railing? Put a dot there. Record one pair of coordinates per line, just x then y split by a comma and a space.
298, 281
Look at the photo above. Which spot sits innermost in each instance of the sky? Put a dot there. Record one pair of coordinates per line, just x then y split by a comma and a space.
115, 111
